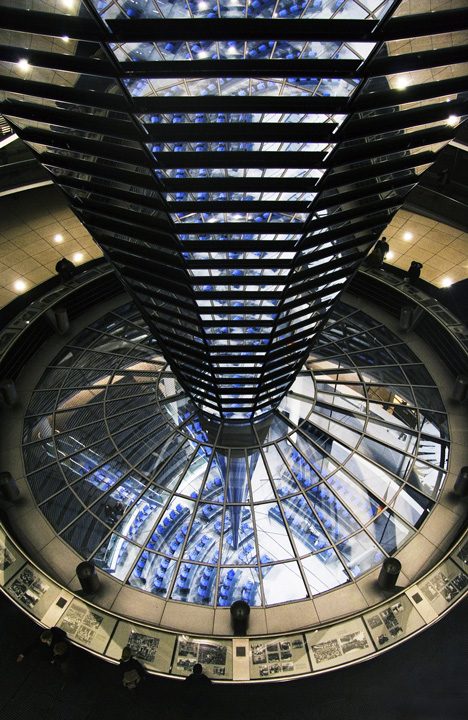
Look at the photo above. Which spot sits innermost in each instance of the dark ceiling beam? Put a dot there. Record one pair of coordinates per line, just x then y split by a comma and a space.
77, 96
346, 176
114, 152
86, 122
383, 122
149, 254
391, 145
51, 24
342, 218
159, 236
359, 229
241, 159
97, 170
326, 200
145, 202
242, 132
58, 61
422, 60
264, 67
242, 184
141, 30
339, 247
239, 104
131, 222
421, 24
371, 101
190, 30
169, 278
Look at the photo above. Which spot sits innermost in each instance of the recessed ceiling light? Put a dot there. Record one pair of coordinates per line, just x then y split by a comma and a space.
402, 82
390, 255
23, 64
446, 282
20, 285
453, 120
65, 38
408, 236
58, 238
77, 257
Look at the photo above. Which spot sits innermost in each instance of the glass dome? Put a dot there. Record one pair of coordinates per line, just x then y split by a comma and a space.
132, 476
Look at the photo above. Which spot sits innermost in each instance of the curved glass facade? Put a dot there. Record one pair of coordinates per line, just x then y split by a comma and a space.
341, 475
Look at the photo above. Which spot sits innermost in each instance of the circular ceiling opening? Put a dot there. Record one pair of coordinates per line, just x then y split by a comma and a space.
133, 477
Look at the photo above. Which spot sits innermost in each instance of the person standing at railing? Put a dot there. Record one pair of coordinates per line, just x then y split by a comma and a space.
45, 644
65, 270
196, 688
414, 272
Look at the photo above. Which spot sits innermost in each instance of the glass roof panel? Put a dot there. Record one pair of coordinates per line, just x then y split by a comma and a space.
117, 556
359, 553
323, 572
181, 506
283, 583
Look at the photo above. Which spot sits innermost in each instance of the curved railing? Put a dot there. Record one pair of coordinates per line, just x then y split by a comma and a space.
240, 659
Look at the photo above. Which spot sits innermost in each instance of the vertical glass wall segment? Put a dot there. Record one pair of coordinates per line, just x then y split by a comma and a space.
235, 162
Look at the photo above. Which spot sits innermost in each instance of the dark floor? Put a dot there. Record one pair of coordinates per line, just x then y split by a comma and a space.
423, 679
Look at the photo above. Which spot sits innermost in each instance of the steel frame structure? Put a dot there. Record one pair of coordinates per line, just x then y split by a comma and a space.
235, 166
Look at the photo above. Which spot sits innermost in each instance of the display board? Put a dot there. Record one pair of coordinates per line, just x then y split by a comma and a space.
152, 648
278, 658
339, 644
269, 658
460, 555
214, 655
33, 590
10, 559
87, 626
443, 586
390, 623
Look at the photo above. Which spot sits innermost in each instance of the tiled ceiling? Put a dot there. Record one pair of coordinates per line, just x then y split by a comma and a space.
442, 249
37, 229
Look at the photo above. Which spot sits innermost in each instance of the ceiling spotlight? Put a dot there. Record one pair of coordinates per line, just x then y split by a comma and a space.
58, 238
23, 64
78, 257
390, 255
446, 282
20, 285
408, 236
453, 120
65, 38
402, 82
